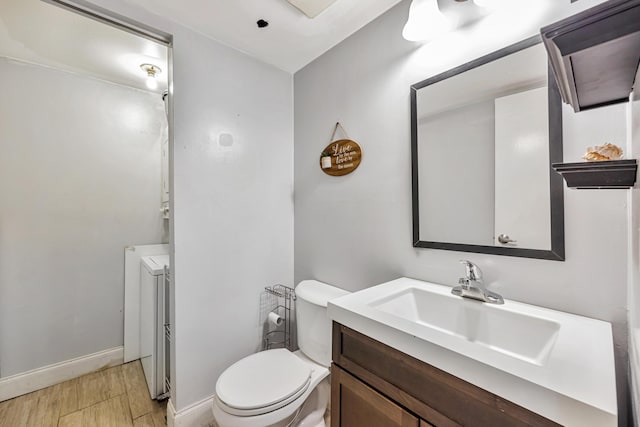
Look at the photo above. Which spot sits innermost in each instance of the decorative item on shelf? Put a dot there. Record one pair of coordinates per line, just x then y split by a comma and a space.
604, 152
341, 157
603, 168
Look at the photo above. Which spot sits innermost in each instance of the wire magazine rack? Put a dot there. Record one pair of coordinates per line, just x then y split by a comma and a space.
278, 299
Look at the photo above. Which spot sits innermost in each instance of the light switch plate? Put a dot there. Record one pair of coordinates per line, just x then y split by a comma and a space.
311, 8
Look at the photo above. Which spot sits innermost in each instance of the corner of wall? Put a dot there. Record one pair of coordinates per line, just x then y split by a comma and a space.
633, 283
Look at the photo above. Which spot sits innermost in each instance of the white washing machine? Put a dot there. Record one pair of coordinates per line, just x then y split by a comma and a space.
154, 321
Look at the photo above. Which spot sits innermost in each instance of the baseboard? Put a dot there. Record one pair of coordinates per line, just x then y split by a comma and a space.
171, 414
200, 414
27, 382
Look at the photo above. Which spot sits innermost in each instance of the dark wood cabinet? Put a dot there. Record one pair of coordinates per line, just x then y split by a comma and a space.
595, 53
366, 406
375, 385
613, 174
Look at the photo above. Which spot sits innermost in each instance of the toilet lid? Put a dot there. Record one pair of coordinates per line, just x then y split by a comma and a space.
262, 380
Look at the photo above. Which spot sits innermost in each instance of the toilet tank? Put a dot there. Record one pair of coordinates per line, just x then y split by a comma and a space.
313, 323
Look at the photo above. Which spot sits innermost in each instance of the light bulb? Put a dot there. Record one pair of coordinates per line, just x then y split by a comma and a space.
152, 83
151, 71
425, 22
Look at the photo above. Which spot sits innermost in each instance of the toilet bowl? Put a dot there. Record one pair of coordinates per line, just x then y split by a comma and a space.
280, 388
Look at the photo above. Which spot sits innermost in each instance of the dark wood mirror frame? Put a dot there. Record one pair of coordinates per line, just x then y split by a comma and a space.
556, 190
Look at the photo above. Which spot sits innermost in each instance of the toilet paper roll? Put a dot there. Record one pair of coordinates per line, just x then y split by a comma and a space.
274, 319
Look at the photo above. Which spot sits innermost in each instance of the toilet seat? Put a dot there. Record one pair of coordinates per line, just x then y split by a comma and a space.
277, 417
262, 382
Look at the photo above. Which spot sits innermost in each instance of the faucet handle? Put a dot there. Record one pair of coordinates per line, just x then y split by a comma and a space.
473, 271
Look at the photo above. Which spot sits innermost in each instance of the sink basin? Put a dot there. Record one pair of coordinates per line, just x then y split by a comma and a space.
556, 364
527, 337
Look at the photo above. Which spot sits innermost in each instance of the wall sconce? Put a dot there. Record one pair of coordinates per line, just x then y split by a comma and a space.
151, 71
426, 21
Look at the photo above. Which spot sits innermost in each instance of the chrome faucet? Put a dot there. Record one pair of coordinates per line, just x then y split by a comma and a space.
472, 286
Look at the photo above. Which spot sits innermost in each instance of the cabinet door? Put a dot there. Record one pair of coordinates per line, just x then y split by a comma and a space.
354, 404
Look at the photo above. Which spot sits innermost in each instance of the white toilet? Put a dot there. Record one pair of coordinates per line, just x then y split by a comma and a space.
278, 388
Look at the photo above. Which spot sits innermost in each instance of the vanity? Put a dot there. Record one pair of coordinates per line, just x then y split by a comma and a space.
409, 353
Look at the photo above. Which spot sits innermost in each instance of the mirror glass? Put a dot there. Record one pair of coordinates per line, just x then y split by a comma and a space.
484, 136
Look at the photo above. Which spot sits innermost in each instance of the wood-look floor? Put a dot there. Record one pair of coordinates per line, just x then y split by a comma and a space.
114, 397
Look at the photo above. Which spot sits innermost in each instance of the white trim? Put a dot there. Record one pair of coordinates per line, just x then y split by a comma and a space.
113, 19
27, 382
171, 414
199, 414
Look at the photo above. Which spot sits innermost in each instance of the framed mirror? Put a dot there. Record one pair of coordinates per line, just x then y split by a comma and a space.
483, 137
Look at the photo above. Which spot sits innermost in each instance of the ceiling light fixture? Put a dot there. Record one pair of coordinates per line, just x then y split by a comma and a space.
426, 21
151, 71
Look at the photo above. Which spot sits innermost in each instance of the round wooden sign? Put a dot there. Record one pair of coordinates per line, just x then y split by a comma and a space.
340, 157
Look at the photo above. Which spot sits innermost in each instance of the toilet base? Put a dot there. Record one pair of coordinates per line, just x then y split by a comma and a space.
314, 408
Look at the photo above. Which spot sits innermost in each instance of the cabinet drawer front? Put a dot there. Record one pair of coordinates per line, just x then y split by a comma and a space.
436, 396
357, 405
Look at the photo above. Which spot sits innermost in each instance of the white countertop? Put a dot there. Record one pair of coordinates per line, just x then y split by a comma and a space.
573, 386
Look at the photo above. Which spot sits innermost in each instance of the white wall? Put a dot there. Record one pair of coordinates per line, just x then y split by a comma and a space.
355, 231
79, 181
634, 258
232, 206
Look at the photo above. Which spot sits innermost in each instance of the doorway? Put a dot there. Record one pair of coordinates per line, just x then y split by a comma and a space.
84, 125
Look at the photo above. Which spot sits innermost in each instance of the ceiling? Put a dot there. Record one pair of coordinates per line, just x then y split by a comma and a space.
34, 31
291, 41
40, 33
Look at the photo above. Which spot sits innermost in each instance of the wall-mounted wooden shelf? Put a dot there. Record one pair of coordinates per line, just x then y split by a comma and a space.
601, 175
595, 53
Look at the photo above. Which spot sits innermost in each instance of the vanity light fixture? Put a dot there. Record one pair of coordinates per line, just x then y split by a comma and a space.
425, 22
151, 71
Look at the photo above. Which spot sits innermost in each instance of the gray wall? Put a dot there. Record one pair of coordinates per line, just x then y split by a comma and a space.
233, 206
355, 231
79, 181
